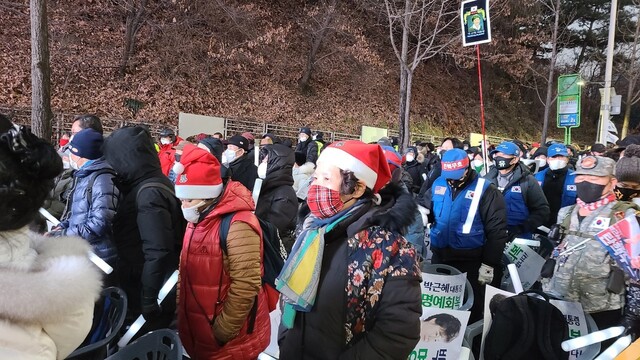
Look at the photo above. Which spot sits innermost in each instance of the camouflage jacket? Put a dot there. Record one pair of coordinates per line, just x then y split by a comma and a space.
582, 275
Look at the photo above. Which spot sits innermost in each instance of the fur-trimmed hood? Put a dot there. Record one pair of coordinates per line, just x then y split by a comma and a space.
44, 277
395, 213
306, 168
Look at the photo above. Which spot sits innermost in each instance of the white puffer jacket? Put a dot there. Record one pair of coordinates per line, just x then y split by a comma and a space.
48, 288
302, 179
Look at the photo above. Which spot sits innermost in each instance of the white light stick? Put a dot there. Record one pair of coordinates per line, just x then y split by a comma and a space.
527, 242
544, 229
257, 186
515, 278
615, 349
140, 321
93, 257
574, 246
594, 337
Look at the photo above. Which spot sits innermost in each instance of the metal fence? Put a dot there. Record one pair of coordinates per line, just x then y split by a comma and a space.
62, 122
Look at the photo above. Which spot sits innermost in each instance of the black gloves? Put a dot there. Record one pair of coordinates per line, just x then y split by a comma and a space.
150, 307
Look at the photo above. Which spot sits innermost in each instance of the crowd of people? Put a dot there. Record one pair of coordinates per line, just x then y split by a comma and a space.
358, 221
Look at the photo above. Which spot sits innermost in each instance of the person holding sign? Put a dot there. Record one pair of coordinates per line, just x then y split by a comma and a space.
584, 271
628, 189
469, 229
49, 286
351, 284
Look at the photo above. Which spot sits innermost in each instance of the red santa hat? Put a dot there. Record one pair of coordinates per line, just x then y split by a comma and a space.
367, 161
197, 174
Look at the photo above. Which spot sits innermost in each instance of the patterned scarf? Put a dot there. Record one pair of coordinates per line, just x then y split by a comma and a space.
598, 204
298, 281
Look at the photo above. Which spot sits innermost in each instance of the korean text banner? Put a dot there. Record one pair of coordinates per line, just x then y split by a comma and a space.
474, 19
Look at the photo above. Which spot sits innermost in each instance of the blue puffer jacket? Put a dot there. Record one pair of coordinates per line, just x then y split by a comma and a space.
91, 219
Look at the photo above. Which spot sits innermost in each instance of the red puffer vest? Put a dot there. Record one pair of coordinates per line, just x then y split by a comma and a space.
201, 264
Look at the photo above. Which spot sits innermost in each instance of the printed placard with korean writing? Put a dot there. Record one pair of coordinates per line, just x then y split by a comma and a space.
528, 263
576, 321
441, 335
442, 291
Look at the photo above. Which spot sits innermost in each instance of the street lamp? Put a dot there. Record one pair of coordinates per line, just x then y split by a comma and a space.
605, 107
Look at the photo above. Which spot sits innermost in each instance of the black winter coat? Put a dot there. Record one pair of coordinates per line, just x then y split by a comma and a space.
148, 226
278, 203
416, 169
244, 171
320, 334
535, 200
309, 148
493, 212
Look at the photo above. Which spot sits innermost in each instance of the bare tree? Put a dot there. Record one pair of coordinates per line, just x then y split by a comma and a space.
632, 74
318, 34
135, 11
41, 114
418, 30
554, 7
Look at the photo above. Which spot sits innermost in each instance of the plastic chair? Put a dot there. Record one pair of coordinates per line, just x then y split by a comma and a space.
108, 317
163, 344
442, 269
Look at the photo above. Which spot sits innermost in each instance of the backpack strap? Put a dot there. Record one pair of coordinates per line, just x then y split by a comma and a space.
89, 192
154, 184
223, 231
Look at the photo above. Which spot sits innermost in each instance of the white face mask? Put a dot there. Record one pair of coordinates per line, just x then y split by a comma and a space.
303, 138
541, 162
262, 170
557, 164
410, 157
191, 214
74, 165
228, 156
165, 141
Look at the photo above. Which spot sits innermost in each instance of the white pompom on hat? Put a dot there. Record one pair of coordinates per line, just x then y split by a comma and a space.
197, 174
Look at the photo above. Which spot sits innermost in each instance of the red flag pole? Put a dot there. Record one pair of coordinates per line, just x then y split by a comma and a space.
484, 136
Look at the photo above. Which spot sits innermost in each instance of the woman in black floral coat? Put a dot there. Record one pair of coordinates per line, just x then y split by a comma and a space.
351, 285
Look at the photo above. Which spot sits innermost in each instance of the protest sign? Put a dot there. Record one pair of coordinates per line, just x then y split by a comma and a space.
474, 19
441, 334
576, 321
622, 241
528, 262
442, 291
273, 349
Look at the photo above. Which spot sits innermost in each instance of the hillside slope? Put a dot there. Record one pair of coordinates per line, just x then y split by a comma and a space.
244, 61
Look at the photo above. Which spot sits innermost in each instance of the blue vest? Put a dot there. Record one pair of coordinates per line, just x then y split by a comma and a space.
517, 211
451, 215
569, 192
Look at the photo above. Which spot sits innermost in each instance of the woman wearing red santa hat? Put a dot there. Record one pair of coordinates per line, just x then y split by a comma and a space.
351, 284
222, 308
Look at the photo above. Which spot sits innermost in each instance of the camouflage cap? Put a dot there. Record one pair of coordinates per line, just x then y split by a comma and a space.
596, 166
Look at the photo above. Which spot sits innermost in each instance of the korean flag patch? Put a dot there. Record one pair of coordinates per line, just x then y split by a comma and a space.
469, 195
571, 188
516, 189
440, 190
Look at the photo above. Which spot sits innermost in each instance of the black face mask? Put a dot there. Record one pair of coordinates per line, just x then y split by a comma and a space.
502, 163
589, 192
626, 194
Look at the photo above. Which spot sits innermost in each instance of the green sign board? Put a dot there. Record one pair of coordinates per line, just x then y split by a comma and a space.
568, 104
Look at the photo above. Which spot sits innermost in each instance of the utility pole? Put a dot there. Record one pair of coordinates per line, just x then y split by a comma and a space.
605, 107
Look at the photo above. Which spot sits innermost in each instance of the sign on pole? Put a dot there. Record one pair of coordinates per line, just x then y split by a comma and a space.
569, 94
474, 19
